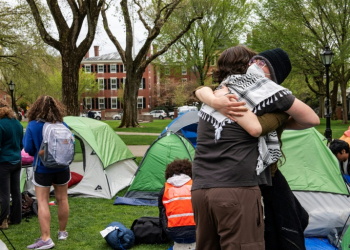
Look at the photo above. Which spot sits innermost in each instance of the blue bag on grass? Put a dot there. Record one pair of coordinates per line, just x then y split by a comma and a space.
120, 238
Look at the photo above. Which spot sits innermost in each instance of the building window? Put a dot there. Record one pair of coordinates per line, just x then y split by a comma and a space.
113, 83
167, 71
149, 69
184, 80
88, 102
124, 81
124, 68
139, 102
101, 68
113, 102
113, 68
141, 84
101, 84
149, 82
101, 103
87, 68
184, 71
150, 102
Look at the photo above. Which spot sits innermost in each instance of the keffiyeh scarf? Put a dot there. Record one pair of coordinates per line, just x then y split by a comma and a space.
258, 92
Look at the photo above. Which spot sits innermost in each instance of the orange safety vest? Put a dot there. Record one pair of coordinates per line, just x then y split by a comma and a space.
178, 205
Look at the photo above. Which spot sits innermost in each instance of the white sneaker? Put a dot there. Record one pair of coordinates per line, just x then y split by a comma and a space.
62, 235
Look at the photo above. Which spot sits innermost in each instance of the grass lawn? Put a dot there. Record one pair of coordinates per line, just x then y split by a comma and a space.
157, 126
337, 128
138, 139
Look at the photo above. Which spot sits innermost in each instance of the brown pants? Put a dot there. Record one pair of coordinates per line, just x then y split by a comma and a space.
228, 218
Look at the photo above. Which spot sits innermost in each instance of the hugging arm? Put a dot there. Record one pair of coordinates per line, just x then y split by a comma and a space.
302, 116
227, 105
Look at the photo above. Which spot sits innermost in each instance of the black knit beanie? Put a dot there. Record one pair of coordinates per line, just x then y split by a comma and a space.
278, 62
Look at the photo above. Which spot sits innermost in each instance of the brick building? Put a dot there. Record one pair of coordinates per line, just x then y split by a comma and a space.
111, 73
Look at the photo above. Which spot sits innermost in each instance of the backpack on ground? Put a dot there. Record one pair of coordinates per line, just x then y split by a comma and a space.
29, 205
57, 147
147, 230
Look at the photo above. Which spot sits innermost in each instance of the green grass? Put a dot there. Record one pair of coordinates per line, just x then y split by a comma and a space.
157, 126
88, 216
138, 139
337, 127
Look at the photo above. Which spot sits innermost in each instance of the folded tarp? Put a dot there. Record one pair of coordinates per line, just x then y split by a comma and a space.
318, 244
135, 202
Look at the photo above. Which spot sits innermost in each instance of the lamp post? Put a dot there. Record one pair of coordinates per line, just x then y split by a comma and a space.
12, 88
327, 58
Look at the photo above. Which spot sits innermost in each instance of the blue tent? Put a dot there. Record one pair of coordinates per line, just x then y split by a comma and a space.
185, 125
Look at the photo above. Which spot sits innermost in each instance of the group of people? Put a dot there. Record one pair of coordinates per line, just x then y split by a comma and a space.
236, 184
218, 199
44, 109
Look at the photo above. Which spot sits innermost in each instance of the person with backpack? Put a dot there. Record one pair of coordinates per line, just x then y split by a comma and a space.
175, 207
11, 134
47, 114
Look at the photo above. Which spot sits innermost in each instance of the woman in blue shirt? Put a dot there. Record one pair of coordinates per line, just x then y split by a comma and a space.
47, 109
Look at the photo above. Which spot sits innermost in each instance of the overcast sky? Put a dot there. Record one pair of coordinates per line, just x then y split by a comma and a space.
102, 40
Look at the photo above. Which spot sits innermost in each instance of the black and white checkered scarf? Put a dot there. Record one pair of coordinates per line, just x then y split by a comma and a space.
257, 91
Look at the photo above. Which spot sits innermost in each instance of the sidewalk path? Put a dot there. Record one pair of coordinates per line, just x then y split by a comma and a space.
137, 150
135, 133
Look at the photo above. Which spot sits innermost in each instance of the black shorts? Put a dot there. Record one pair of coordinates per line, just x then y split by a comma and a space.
48, 179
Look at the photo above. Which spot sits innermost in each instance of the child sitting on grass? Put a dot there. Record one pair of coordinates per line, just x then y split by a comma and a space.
175, 206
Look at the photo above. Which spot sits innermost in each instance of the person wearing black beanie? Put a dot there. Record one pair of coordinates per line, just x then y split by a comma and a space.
278, 63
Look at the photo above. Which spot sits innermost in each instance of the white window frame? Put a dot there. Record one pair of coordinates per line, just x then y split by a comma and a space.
184, 80
116, 85
116, 102
138, 103
101, 82
87, 71
184, 70
101, 101
167, 71
149, 68
141, 84
124, 68
124, 80
149, 82
115, 68
88, 101
98, 68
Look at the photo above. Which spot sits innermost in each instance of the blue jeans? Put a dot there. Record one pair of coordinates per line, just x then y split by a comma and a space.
10, 184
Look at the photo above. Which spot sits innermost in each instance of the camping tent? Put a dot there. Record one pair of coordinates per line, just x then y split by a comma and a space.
313, 174
185, 125
101, 157
149, 177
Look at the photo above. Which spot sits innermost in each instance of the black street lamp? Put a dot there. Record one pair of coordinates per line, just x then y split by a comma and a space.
12, 88
327, 58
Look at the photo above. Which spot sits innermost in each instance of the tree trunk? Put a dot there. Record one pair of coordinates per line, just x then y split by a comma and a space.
321, 106
344, 106
333, 100
70, 82
131, 90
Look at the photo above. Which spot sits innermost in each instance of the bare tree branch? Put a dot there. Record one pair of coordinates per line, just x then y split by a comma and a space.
43, 33
141, 17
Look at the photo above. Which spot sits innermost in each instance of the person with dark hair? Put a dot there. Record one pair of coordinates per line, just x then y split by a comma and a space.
230, 162
11, 134
47, 109
90, 114
175, 207
340, 149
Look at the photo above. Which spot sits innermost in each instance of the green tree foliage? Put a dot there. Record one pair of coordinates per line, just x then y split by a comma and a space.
220, 28
68, 17
303, 30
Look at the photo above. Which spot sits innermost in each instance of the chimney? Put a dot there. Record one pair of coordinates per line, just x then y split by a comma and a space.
96, 50
86, 55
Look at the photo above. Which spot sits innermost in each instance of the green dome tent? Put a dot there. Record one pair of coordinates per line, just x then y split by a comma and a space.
149, 177
314, 176
101, 157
